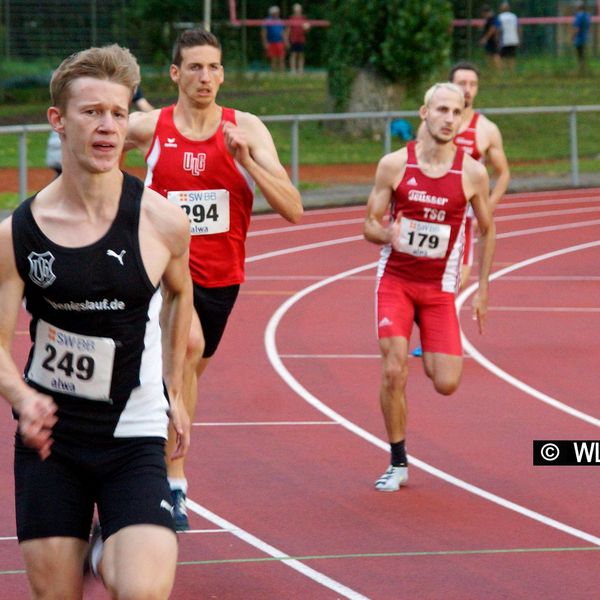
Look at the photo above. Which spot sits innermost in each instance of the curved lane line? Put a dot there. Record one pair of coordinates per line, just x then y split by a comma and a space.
294, 384
356, 238
356, 220
548, 213
490, 366
278, 365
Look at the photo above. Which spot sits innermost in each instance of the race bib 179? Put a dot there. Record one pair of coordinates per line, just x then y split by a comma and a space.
421, 238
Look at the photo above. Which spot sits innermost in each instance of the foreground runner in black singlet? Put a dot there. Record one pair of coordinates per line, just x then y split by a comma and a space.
89, 253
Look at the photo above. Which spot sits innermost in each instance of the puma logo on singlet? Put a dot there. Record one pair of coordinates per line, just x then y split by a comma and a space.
119, 256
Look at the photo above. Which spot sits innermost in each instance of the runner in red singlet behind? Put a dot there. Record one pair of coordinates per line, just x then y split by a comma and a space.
480, 138
207, 158
417, 211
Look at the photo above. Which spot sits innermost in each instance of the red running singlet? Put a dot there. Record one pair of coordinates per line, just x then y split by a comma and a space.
215, 192
467, 139
432, 226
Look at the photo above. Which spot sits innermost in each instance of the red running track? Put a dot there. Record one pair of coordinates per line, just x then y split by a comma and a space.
289, 438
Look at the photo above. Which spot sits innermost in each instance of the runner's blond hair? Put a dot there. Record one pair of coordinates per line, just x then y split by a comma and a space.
112, 63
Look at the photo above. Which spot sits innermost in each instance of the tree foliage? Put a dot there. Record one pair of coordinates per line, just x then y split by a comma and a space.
402, 41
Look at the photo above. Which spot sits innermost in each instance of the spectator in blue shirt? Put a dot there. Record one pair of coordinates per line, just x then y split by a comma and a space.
581, 29
274, 39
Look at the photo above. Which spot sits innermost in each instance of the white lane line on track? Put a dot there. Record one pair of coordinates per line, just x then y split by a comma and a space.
509, 201
549, 213
553, 202
313, 211
307, 227
264, 423
296, 386
343, 357
571, 194
487, 364
297, 565
547, 229
301, 278
361, 356
356, 238
293, 563
566, 309
303, 247
355, 221
551, 278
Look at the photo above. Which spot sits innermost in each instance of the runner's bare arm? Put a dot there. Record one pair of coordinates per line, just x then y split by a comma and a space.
36, 411
140, 130
251, 144
178, 304
165, 241
497, 158
389, 172
476, 186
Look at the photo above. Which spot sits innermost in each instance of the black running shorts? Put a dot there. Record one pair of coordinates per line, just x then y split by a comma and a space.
126, 478
214, 305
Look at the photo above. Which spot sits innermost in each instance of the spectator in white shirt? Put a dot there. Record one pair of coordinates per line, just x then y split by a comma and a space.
509, 36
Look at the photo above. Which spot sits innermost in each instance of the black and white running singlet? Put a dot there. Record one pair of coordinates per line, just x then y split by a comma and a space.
94, 327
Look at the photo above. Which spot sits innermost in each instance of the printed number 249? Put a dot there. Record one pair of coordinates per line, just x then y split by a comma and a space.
82, 365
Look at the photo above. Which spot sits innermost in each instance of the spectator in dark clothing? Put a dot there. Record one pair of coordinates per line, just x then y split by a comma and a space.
581, 30
490, 36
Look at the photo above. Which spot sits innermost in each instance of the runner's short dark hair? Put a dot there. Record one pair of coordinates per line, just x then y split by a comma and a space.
466, 65
191, 38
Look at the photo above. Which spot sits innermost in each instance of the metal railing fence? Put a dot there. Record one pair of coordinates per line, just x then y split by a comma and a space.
386, 117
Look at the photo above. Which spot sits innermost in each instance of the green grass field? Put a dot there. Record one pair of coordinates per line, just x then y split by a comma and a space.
534, 143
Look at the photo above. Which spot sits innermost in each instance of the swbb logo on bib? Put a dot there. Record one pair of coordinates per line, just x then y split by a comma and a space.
207, 210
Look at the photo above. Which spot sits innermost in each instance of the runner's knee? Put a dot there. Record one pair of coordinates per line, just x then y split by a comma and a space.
447, 384
395, 374
141, 590
195, 345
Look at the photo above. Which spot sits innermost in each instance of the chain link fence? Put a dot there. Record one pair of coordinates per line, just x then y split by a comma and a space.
52, 29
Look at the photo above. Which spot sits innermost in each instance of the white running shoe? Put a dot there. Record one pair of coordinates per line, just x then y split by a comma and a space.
392, 479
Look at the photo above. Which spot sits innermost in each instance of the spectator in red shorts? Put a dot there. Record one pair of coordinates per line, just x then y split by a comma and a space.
274, 39
297, 39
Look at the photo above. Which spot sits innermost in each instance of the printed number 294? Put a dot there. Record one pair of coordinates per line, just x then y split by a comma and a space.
197, 213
